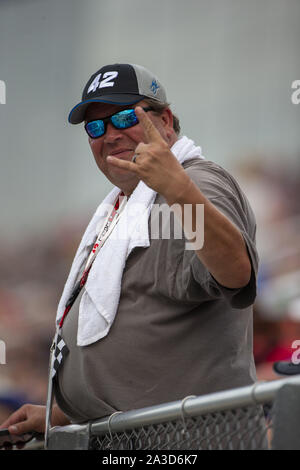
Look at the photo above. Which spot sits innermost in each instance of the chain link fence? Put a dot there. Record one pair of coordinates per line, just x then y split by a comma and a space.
263, 416
243, 428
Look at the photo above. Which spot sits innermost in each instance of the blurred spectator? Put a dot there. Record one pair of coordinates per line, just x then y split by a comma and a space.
273, 341
32, 276
272, 188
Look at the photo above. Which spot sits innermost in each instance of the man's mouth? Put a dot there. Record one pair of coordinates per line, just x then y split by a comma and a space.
121, 153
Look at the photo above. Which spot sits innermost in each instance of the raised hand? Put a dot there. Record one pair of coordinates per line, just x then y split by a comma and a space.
154, 163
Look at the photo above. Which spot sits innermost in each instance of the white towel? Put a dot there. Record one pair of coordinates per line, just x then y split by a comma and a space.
99, 302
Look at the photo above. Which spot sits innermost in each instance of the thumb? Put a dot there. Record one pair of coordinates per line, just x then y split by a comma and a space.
20, 428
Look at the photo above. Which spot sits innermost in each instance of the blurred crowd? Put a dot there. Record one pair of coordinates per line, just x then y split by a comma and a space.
272, 188
32, 277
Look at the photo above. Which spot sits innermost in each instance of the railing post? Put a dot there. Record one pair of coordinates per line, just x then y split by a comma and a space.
72, 437
286, 418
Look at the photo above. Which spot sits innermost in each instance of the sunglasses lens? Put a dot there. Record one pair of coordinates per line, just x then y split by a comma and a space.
121, 120
95, 128
124, 119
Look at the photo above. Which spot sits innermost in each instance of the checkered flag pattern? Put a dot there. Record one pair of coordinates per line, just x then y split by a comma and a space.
60, 352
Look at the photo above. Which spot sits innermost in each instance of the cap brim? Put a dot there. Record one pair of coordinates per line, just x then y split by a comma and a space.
286, 368
77, 114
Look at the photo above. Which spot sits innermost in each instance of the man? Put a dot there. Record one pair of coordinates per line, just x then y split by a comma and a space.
152, 320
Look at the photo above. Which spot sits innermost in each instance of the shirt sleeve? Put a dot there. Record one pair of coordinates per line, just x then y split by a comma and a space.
223, 191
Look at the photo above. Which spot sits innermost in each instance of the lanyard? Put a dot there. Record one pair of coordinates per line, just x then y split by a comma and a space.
108, 226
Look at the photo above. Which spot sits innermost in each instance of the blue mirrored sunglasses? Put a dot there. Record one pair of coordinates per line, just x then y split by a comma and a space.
121, 120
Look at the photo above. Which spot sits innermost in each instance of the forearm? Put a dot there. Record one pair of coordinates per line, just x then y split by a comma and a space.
223, 252
58, 417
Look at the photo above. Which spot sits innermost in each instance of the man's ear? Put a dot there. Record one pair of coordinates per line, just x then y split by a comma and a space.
167, 118
167, 121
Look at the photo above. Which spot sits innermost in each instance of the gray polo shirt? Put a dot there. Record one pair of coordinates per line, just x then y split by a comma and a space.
177, 332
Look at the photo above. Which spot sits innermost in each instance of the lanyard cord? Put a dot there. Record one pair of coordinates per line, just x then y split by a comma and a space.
104, 233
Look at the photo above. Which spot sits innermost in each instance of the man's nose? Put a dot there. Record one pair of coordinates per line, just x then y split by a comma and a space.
112, 134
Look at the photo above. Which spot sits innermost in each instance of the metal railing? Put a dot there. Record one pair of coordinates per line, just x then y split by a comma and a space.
263, 416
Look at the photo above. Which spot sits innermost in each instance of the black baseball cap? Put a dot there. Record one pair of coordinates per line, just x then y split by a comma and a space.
120, 84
